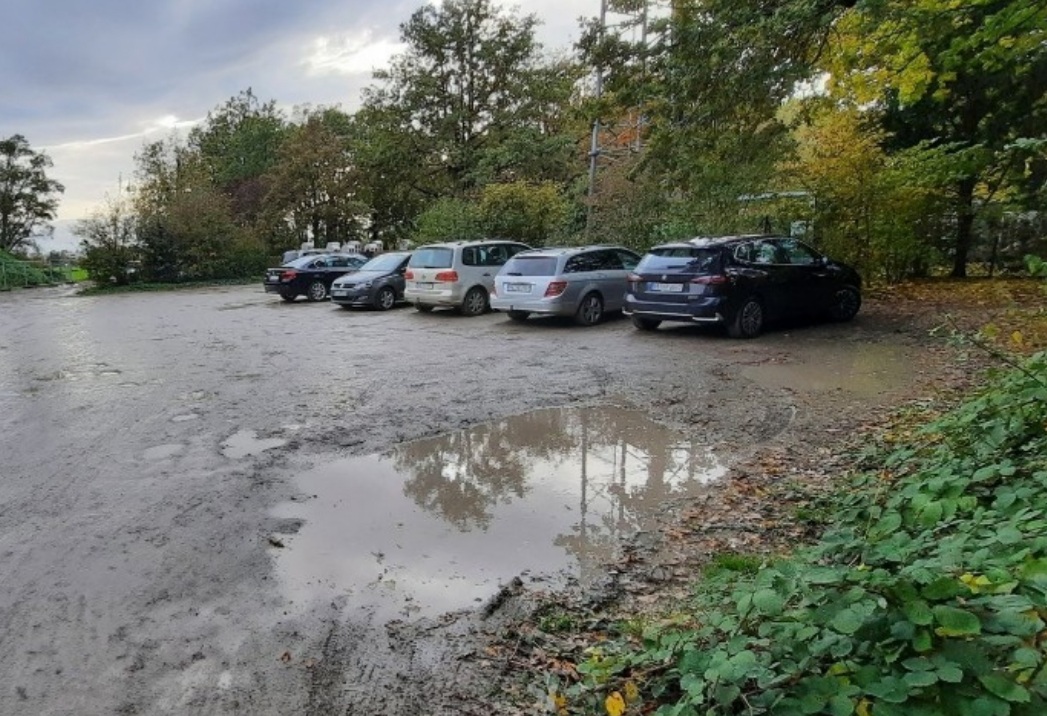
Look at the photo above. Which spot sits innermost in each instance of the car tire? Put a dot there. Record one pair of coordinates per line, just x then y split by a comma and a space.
747, 321
590, 310
423, 308
385, 299
646, 324
289, 297
316, 291
518, 316
846, 302
475, 302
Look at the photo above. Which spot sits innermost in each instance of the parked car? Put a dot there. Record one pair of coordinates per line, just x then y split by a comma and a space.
310, 276
378, 283
457, 274
583, 282
741, 282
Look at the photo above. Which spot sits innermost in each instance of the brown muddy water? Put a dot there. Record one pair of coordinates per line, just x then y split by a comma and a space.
435, 525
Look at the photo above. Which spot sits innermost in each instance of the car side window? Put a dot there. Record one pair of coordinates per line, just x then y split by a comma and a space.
797, 253
628, 259
341, 261
764, 252
608, 261
582, 262
496, 255
514, 249
470, 256
744, 253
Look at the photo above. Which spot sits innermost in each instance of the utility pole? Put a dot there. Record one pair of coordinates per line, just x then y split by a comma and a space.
594, 147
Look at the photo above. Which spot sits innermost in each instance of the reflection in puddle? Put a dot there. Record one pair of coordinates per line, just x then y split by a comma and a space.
437, 524
866, 370
246, 442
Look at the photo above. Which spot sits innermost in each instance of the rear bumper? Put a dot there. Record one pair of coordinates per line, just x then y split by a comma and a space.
448, 297
280, 288
548, 307
697, 309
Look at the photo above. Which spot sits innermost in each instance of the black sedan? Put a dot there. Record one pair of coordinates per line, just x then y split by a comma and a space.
378, 283
740, 282
310, 276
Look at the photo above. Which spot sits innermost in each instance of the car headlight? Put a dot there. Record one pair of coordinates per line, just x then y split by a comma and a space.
366, 284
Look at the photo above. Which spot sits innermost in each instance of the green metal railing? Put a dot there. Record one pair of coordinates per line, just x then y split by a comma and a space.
22, 274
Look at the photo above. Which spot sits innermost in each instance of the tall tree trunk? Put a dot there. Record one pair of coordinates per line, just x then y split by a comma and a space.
964, 226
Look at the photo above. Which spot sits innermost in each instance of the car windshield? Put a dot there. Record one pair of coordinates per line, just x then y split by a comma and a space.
432, 257
383, 263
302, 261
681, 258
524, 265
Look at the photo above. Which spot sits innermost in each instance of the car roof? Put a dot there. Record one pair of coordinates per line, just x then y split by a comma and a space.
472, 242
714, 241
568, 250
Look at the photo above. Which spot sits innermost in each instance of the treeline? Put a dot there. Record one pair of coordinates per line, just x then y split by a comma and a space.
899, 136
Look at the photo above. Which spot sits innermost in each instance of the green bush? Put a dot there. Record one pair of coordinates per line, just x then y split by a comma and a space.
927, 597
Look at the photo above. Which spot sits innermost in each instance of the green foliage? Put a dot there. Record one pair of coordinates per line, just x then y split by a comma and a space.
535, 214
18, 273
28, 198
107, 238
927, 596
449, 220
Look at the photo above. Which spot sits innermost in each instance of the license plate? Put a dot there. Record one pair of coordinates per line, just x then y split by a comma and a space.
339, 293
424, 286
665, 287
273, 279
517, 288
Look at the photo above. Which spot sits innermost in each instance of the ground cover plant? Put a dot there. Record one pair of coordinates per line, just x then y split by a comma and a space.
926, 596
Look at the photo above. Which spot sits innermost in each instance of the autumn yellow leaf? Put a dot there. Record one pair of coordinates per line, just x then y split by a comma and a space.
1017, 339
559, 702
632, 693
614, 704
862, 709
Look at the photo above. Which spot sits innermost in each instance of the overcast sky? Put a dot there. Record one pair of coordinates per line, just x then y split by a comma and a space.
88, 81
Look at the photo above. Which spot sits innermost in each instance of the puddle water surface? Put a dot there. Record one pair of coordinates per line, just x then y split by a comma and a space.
865, 371
246, 443
437, 524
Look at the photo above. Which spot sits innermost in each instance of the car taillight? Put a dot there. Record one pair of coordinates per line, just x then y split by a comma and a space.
555, 288
288, 275
714, 280
447, 276
409, 276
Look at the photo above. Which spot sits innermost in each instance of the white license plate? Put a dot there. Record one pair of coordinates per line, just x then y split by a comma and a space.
665, 287
273, 279
517, 288
339, 293
424, 286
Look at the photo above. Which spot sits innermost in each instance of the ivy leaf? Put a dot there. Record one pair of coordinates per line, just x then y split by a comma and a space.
956, 622
1006, 689
768, 602
847, 621
918, 612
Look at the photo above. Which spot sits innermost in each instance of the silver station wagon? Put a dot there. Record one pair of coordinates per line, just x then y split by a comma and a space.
583, 282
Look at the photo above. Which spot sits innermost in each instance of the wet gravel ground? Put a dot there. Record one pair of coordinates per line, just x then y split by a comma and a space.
145, 440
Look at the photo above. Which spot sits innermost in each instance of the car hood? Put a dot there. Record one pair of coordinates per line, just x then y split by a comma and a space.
360, 277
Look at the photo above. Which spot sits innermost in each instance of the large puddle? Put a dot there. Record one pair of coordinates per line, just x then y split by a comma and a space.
866, 371
435, 525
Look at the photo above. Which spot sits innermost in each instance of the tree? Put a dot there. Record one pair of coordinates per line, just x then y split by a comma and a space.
470, 100
109, 243
28, 198
965, 80
534, 214
313, 186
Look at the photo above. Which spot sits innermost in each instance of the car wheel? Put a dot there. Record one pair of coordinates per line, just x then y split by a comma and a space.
845, 305
748, 320
423, 308
385, 299
317, 291
590, 311
475, 302
519, 316
646, 324
289, 297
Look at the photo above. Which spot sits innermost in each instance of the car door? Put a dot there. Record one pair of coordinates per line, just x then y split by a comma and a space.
620, 263
583, 273
810, 283
396, 278
772, 278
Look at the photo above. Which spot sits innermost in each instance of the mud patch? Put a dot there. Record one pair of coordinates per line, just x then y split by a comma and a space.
435, 525
864, 371
246, 443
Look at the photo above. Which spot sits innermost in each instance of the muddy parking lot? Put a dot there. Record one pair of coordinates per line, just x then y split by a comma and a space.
213, 502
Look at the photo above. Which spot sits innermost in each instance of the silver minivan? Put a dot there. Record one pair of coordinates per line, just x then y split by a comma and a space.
584, 282
457, 274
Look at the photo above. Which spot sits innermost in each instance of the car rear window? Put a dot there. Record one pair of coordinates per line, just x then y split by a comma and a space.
531, 266
682, 259
436, 257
